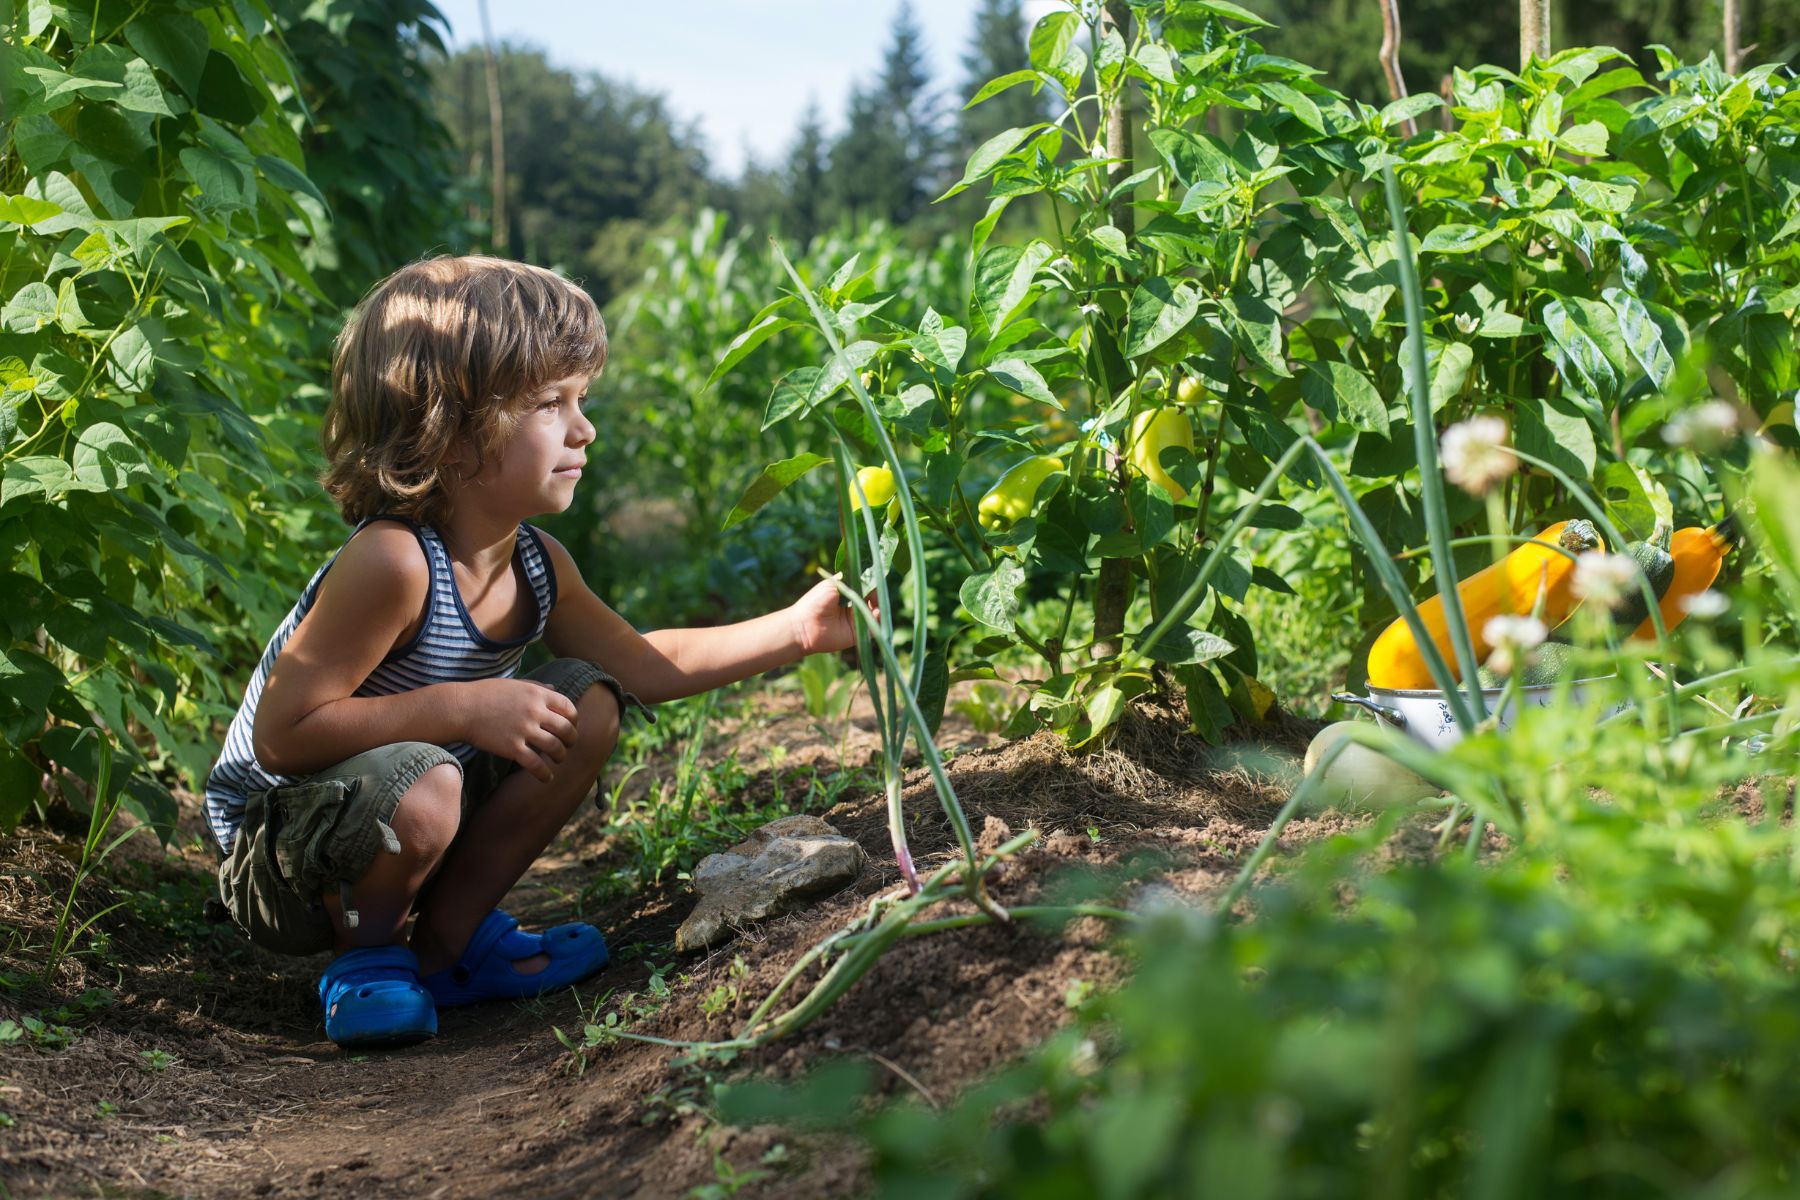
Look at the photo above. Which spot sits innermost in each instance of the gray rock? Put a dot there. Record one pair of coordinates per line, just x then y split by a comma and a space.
776, 870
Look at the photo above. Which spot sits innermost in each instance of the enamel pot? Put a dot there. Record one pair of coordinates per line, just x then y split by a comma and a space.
1425, 715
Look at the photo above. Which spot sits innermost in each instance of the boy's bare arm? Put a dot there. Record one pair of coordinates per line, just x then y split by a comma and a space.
667, 664
307, 718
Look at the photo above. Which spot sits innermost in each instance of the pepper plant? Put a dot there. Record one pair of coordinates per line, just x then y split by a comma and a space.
1218, 283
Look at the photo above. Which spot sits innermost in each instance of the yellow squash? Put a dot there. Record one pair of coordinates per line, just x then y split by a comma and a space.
1510, 585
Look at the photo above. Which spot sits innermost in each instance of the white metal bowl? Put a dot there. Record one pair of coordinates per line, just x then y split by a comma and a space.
1425, 715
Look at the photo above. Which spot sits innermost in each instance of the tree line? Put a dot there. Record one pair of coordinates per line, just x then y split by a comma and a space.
594, 165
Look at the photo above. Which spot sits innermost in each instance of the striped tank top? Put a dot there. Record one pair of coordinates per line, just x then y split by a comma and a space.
448, 648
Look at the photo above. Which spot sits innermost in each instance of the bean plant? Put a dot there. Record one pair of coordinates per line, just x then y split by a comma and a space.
170, 276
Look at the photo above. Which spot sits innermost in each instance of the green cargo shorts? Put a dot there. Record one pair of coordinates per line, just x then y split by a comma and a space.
320, 833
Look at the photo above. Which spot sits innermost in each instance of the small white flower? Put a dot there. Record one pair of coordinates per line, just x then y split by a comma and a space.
1090, 310
1512, 636
1467, 323
1516, 630
1708, 427
1062, 262
1475, 454
1705, 605
1098, 149
1604, 578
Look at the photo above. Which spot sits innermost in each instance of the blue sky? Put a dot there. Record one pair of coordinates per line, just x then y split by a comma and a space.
742, 69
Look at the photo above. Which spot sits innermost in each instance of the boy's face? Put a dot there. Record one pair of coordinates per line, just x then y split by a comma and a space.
538, 467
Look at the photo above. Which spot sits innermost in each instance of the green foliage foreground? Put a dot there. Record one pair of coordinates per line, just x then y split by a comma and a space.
1606, 1006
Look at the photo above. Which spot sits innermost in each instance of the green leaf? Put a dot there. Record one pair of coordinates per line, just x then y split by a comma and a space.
992, 596
1565, 319
1295, 102
142, 93
1112, 244
1407, 108
1003, 279
1051, 39
790, 394
1155, 63
69, 317
1642, 336
1193, 158
1450, 366
1022, 377
1459, 239
1224, 8
938, 343
106, 458
30, 309
19, 783
1342, 392
174, 44
1588, 138
34, 475
989, 155
1160, 309
1182, 645
744, 343
994, 87
224, 184
1606, 197
1555, 430
26, 210
1259, 329
773, 480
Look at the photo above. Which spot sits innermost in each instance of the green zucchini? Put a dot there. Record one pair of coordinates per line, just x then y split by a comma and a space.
1544, 665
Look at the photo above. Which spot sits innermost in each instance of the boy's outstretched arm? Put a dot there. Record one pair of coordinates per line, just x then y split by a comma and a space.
667, 664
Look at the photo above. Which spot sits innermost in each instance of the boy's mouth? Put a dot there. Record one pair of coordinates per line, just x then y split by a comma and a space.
573, 471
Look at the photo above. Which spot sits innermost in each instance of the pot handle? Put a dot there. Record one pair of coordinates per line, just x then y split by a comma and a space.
1392, 716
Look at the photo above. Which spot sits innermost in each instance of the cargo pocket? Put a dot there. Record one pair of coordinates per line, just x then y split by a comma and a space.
305, 819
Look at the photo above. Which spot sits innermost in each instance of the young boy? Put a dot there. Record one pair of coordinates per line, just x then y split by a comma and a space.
370, 772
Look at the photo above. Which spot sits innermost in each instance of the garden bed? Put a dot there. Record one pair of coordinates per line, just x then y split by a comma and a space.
203, 1069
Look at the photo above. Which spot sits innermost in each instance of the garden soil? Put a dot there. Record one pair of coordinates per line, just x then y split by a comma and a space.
202, 1069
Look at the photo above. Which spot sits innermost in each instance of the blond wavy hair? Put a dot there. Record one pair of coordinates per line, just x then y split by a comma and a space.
444, 354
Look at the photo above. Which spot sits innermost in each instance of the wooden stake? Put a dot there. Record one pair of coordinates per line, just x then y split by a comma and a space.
1390, 57
497, 237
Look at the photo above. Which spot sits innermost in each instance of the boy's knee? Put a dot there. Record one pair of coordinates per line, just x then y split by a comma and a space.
430, 811
597, 719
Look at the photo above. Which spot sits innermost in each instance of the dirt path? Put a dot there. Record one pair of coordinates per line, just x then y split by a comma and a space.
207, 1073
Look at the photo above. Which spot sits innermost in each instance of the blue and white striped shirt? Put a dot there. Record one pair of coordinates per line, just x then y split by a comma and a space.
448, 648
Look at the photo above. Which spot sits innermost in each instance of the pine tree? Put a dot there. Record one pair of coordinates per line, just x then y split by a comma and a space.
889, 163
808, 194
997, 46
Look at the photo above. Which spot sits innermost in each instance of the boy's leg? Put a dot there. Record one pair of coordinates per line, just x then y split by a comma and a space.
504, 835
425, 822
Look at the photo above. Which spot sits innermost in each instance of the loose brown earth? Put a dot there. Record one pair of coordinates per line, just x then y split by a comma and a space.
251, 1099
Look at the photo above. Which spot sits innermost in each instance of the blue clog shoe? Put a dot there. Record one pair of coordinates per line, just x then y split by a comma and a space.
372, 998
486, 971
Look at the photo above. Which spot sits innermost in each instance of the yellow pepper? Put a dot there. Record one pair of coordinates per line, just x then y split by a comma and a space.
1013, 494
1153, 431
877, 484
1190, 390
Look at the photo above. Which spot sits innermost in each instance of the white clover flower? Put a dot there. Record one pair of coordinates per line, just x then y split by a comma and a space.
1475, 454
1467, 323
1707, 427
1605, 578
1705, 605
1512, 636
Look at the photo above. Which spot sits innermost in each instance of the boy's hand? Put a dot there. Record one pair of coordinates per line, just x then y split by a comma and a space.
823, 622
520, 719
